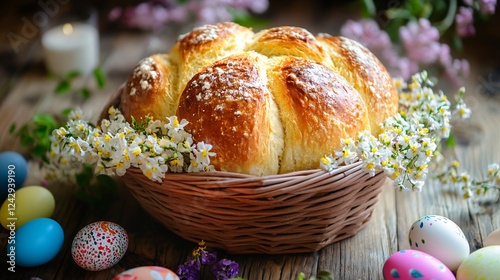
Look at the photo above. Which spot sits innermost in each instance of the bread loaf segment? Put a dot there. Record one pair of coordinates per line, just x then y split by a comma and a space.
229, 106
149, 89
317, 107
288, 40
366, 74
205, 45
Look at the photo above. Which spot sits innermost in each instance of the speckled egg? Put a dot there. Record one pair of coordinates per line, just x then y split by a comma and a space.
482, 264
493, 238
441, 238
99, 245
147, 273
413, 264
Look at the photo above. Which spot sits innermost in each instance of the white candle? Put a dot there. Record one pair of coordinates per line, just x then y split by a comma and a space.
71, 46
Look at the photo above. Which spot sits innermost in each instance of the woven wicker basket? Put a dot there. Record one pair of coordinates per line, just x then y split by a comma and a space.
241, 214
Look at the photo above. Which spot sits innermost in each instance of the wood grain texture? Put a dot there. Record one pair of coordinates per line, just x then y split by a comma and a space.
359, 257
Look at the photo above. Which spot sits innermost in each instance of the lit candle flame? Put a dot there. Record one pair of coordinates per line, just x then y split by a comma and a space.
67, 29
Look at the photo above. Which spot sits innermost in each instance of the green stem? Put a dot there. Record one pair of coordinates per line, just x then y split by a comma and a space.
450, 17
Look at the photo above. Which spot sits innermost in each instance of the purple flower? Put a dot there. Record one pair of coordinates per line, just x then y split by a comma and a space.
368, 33
421, 41
454, 69
208, 257
189, 270
155, 14
487, 6
225, 269
464, 22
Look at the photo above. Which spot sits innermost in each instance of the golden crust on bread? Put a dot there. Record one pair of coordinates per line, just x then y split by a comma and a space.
270, 102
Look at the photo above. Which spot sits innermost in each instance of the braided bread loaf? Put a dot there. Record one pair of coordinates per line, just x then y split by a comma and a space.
270, 102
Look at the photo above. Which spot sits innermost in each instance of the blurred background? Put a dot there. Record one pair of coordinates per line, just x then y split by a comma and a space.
458, 53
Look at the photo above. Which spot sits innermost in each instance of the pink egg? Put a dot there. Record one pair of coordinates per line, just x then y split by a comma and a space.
147, 273
99, 246
413, 264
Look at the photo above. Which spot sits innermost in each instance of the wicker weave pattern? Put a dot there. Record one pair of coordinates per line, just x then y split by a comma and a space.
288, 213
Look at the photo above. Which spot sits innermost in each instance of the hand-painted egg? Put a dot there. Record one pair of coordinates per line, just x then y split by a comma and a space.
36, 242
413, 264
147, 273
441, 238
493, 238
13, 172
99, 245
482, 264
25, 205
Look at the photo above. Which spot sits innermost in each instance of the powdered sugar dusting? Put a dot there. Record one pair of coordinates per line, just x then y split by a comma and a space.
231, 81
291, 33
145, 72
316, 81
310, 77
202, 34
360, 55
368, 64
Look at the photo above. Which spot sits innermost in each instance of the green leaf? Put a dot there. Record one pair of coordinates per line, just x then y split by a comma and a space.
85, 92
66, 112
451, 141
457, 42
27, 140
414, 7
63, 86
369, 9
393, 27
44, 120
324, 275
99, 77
71, 75
40, 152
245, 19
12, 128
106, 183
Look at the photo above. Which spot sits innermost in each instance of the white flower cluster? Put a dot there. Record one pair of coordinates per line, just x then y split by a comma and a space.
469, 186
153, 146
410, 138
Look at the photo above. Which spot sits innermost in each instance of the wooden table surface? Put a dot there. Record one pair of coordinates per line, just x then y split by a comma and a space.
359, 257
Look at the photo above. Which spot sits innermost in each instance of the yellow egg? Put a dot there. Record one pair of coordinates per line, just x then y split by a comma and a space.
482, 264
26, 204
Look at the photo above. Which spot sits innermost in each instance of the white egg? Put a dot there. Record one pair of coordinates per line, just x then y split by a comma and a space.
493, 238
441, 238
99, 245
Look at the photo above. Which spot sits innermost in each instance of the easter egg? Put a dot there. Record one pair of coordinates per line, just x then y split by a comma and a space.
13, 173
99, 245
413, 264
482, 264
147, 273
35, 243
25, 205
441, 238
493, 238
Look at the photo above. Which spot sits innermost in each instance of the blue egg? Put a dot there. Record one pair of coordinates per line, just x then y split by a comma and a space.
35, 243
13, 172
